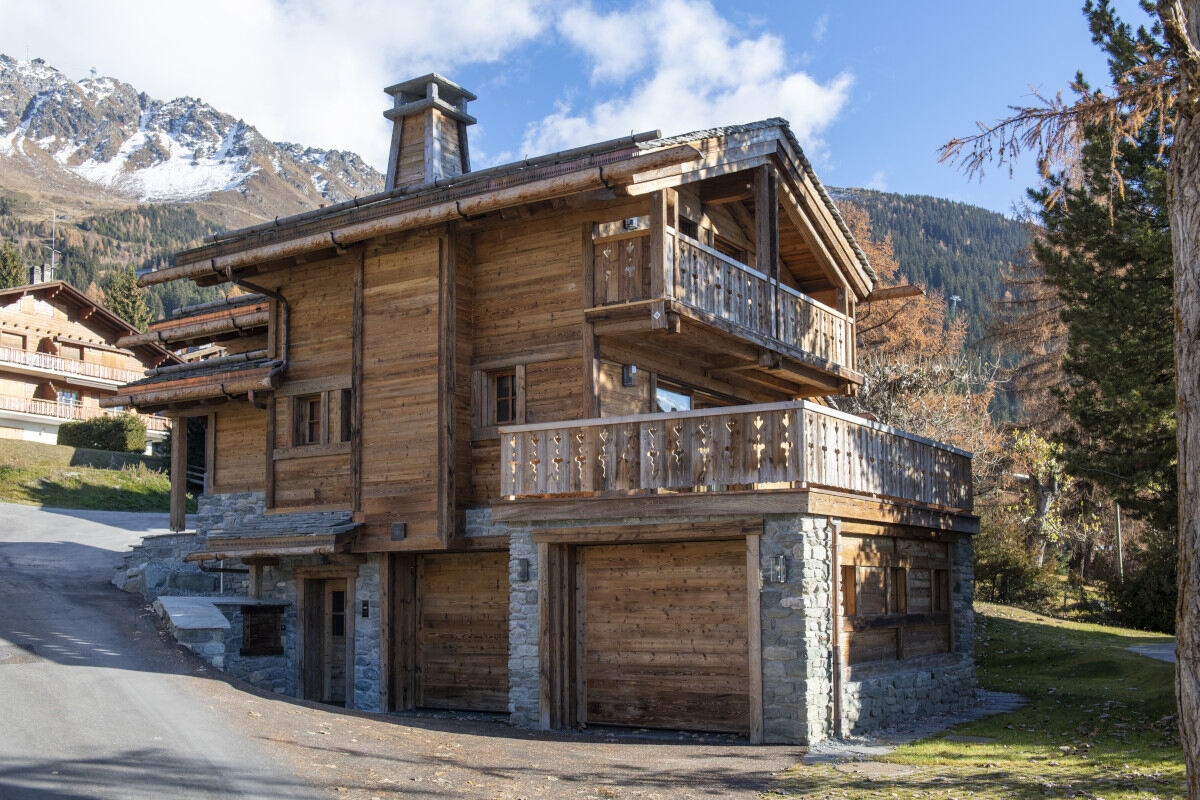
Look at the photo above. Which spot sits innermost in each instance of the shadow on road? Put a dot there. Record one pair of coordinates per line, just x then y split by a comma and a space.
148, 773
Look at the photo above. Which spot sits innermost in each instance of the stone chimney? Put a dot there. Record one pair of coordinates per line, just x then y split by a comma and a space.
429, 131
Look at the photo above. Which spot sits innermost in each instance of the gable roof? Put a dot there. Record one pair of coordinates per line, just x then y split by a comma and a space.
461, 197
67, 296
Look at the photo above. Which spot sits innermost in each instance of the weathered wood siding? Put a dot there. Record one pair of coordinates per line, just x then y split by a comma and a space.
400, 392
239, 444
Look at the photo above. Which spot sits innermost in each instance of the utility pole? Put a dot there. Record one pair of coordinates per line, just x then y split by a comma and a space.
1120, 548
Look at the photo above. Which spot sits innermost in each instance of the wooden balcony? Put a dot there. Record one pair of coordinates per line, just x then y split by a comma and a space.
793, 445
729, 313
73, 412
67, 367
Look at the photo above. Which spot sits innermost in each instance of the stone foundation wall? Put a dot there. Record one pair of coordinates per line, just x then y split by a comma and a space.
875, 698
274, 673
156, 566
366, 636
796, 618
523, 675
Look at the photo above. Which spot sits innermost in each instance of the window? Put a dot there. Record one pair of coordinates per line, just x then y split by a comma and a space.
307, 419
728, 248
13, 340
671, 398
72, 351
262, 630
346, 415
337, 613
504, 397
689, 228
70, 398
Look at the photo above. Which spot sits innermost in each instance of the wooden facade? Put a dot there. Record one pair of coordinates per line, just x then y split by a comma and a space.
60, 354
627, 330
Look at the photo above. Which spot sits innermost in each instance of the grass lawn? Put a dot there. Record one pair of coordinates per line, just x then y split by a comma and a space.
1100, 723
134, 488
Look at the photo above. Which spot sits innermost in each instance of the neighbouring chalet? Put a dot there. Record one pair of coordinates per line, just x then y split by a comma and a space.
59, 357
549, 439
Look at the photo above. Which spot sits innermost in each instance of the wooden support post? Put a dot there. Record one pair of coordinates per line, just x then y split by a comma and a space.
766, 234
179, 473
210, 452
591, 364
269, 475
385, 631
255, 580
545, 631
658, 245
754, 634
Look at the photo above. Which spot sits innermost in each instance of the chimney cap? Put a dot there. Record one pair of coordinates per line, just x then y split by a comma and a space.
416, 88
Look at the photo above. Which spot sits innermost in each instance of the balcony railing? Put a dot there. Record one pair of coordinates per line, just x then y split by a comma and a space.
720, 290
71, 411
775, 445
715, 284
69, 366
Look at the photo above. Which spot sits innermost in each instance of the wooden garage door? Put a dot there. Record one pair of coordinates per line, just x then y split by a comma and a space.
664, 635
462, 631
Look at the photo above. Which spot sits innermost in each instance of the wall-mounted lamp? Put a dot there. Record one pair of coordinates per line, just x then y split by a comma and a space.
777, 569
522, 570
399, 531
629, 375
366, 608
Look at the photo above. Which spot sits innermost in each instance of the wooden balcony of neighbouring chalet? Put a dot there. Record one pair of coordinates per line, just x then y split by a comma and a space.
74, 412
772, 446
672, 285
69, 370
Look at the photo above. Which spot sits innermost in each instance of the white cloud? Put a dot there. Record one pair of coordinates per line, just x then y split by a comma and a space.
820, 27
878, 181
680, 65
299, 70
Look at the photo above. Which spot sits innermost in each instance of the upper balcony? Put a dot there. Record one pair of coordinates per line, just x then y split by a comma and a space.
659, 281
72, 370
789, 445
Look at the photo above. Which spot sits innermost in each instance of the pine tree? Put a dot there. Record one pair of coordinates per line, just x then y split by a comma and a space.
1106, 251
123, 297
12, 272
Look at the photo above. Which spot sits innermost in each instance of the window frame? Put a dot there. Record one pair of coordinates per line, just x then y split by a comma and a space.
484, 422
274, 644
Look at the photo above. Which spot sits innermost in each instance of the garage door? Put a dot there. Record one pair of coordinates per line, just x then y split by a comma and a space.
462, 631
665, 635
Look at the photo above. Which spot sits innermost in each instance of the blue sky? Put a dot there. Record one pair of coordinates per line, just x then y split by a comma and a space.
871, 88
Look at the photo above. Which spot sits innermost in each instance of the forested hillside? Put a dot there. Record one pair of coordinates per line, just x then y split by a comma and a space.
946, 246
91, 247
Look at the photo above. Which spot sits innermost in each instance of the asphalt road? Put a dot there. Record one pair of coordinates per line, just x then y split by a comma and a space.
93, 702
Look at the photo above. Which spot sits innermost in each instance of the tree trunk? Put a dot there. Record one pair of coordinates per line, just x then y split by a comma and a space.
1181, 20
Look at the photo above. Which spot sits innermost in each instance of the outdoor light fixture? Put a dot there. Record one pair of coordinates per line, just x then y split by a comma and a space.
629, 375
366, 608
522, 570
399, 531
778, 569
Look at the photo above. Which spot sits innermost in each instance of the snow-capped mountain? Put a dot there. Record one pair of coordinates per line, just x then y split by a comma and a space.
102, 135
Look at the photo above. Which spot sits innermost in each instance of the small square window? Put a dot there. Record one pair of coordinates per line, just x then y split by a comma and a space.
307, 420
262, 630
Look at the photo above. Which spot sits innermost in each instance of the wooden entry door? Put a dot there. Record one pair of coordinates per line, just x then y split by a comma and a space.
334, 643
326, 623
462, 631
664, 635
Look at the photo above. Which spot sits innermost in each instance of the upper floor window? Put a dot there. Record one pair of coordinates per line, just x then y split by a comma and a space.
308, 419
504, 397
14, 340
68, 398
72, 351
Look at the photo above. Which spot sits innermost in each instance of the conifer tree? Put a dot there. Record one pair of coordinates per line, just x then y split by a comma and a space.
12, 272
123, 297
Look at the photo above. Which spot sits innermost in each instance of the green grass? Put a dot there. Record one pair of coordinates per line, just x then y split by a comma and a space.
135, 488
1100, 723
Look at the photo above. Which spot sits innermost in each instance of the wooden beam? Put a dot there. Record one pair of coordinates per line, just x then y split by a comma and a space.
385, 631
658, 244
269, 475
754, 635
179, 473
729, 528
447, 314
356, 384
210, 451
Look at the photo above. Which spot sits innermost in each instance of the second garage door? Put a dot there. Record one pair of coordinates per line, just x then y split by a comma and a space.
462, 631
665, 635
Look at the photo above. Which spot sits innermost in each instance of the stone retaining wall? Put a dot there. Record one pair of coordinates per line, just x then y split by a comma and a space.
156, 566
523, 675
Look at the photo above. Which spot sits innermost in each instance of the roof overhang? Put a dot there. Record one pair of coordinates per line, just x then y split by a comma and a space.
227, 545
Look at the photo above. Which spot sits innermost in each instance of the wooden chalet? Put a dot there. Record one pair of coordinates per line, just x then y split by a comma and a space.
60, 354
549, 439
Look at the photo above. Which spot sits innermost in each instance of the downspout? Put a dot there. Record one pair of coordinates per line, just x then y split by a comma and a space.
283, 323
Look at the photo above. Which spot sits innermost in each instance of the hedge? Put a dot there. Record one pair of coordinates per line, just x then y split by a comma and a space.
122, 433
